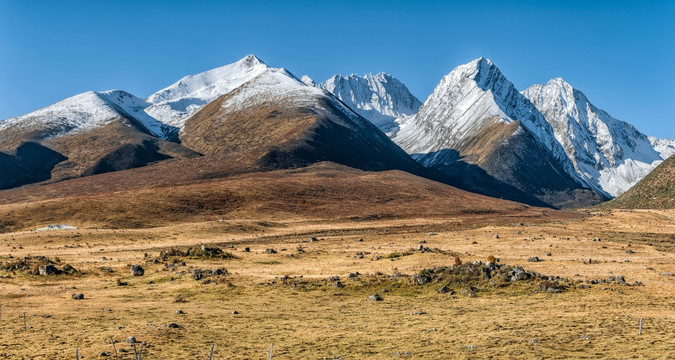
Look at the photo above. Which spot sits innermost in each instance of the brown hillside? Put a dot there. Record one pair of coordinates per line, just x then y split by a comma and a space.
654, 191
324, 190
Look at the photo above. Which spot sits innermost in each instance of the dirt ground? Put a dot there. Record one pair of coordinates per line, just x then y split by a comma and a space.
312, 318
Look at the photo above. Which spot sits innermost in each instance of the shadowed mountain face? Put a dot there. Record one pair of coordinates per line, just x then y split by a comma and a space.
109, 148
30, 163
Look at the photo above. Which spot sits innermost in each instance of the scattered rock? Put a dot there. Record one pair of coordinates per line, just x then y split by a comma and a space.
444, 290
667, 274
313, 239
432, 234
197, 274
47, 269
137, 270
104, 354
374, 297
620, 280
548, 254
629, 251
496, 236
417, 313
270, 251
173, 326
235, 312
360, 240
78, 297
420, 247
534, 259
247, 249
518, 273
421, 279
584, 287
179, 312
131, 340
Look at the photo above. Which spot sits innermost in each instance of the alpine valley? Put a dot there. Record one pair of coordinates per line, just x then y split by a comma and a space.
546, 146
245, 212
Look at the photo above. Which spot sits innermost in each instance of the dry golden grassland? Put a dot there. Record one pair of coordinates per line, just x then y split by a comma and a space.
313, 318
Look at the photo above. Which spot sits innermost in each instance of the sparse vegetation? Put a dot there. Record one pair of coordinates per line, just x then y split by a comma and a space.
324, 286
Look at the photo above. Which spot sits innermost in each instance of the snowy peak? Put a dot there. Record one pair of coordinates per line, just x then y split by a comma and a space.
609, 154
476, 116
251, 60
483, 71
307, 80
380, 98
471, 97
175, 103
84, 112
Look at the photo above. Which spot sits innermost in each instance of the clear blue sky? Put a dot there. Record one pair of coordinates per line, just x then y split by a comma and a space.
620, 53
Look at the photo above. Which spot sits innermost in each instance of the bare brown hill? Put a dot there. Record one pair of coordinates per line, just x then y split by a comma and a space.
321, 191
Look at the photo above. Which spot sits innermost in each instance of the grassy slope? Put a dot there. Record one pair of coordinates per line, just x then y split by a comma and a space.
654, 191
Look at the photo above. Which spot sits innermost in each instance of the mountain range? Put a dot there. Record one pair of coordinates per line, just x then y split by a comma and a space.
549, 140
545, 146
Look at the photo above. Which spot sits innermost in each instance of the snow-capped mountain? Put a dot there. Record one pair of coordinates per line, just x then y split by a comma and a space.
275, 120
174, 104
82, 113
465, 101
609, 155
546, 145
380, 98
475, 115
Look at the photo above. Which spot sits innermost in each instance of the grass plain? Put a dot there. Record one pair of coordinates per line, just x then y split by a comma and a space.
311, 318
